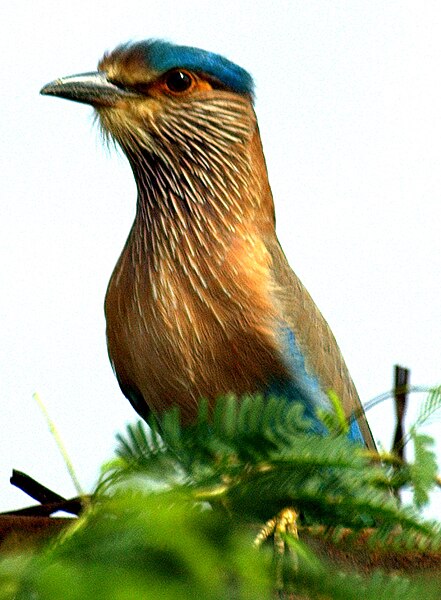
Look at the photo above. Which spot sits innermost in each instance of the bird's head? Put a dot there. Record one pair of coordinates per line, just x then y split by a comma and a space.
185, 119
153, 94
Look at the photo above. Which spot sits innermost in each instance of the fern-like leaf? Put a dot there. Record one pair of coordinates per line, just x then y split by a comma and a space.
424, 469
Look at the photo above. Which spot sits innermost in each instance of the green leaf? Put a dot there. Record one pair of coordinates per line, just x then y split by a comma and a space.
424, 469
430, 407
335, 419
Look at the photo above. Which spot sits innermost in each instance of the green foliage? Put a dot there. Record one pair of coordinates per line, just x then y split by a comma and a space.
424, 469
317, 580
176, 512
334, 420
256, 457
134, 545
430, 408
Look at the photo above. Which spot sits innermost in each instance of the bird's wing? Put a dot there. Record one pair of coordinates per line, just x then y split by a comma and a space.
315, 338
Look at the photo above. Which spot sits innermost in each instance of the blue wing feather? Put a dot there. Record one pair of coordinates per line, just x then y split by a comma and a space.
305, 388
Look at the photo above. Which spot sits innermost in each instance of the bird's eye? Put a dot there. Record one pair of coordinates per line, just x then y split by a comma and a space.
178, 81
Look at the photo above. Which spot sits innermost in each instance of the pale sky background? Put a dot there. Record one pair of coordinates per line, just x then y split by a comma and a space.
349, 106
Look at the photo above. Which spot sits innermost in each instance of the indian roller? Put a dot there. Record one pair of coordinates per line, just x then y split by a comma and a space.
202, 301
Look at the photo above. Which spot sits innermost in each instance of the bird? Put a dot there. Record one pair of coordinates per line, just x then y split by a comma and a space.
202, 301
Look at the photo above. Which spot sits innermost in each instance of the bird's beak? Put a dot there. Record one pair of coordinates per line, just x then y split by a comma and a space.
89, 88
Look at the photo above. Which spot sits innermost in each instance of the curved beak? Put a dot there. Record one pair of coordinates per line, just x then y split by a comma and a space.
89, 88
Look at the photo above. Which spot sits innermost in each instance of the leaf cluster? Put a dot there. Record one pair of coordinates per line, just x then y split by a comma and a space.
255, 457
176, 512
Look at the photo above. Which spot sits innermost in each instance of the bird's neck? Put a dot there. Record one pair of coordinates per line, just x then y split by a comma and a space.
202, 207
200, 239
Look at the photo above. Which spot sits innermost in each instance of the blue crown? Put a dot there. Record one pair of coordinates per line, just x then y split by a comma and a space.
163, 56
